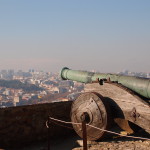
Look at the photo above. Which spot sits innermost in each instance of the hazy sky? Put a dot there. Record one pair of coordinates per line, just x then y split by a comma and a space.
104, 35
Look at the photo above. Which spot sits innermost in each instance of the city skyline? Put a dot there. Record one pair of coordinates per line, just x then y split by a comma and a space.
82, 35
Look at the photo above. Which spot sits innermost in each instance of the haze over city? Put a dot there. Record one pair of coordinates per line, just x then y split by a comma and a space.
107, 36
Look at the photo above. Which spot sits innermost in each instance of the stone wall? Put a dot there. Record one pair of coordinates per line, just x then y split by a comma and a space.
26, 124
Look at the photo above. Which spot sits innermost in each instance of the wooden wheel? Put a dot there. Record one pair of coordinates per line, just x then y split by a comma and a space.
96, 110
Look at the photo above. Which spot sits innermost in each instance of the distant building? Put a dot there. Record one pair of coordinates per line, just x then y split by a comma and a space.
6, 92
63, 90
16, 100
73, 96
66, 83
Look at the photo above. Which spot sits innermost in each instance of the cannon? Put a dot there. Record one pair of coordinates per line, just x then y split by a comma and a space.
109, 99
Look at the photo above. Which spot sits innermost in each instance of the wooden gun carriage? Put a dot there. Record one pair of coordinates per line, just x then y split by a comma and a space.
110, 98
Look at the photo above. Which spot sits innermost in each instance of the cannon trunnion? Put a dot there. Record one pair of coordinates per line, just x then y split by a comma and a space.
105, 102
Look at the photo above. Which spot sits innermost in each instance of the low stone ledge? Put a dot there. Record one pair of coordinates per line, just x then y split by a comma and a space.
26, 124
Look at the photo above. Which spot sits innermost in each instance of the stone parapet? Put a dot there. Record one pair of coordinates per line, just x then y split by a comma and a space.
27, 124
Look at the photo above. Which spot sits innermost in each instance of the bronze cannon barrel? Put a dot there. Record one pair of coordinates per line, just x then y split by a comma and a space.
137, 84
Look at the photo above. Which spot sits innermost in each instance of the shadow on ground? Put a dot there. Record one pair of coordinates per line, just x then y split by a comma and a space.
66, 143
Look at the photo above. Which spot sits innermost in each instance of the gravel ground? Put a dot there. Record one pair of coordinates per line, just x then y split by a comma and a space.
119, 143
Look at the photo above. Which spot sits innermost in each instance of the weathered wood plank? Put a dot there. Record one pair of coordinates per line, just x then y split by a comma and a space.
132, 107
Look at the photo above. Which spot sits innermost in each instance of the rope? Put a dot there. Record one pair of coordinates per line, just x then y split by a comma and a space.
61, 125
141, 138
47, 124
64, 121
